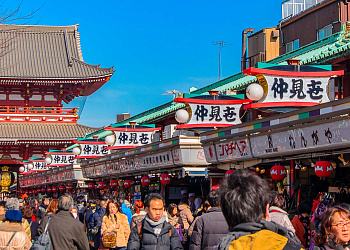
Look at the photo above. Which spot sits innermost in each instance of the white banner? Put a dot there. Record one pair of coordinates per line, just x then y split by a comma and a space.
92, 150
130, 138
61, 159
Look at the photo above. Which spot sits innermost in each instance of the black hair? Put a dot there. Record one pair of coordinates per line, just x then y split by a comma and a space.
305, 207
2, 204
278, 200
214, 198
345, 205
153, 196
244, 197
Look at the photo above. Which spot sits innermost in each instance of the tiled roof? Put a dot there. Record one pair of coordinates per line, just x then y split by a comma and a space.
45, 52
43, 131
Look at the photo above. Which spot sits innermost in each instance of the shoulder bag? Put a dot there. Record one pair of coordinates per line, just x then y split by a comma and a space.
43, 242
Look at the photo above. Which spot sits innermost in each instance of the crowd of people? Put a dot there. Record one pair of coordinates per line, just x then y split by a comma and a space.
242, 214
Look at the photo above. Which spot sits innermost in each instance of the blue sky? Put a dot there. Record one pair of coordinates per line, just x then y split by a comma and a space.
154, 45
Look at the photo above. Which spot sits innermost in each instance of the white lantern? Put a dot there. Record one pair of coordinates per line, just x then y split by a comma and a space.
30, 166
181, 116
48, 160
255, 92
76, 151
109, 139
21, 169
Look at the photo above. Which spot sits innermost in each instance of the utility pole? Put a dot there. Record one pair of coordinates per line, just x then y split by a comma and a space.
221, 45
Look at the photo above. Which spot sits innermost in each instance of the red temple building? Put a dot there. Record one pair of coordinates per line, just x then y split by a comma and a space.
40, 68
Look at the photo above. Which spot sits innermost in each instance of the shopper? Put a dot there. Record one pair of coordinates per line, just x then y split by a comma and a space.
117, 223
96, 220
244, 200
278, 213
27, 214
335, 230
154, 232
139, 214
301, 223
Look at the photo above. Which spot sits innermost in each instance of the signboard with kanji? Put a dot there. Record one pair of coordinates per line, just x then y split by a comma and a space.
131, 138
60, 159
92, 150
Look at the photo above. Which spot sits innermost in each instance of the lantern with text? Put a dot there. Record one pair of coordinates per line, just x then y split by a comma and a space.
43, 190
69, 188
62, 189
91, 186
113, 183
127, 183
6, 179
278, 172
35, 191
165, 179
30, 192
49, 189
38, 191
228, 172
102, 185
54, 189
323, 168
145, 181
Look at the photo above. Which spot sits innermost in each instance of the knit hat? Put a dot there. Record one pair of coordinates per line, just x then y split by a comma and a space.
14, 215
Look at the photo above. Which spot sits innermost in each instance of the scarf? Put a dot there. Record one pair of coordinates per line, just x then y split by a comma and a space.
156, 225
306, 225
332, 245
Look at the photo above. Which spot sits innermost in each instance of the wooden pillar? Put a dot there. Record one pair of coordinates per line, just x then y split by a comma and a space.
291, 175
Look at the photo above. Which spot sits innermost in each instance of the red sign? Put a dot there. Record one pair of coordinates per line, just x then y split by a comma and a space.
228, 172
91, 186
323, 168
127, 183
165, 179
113, 184
145, 181
278, 172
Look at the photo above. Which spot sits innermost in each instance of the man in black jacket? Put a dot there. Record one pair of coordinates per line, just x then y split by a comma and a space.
210, 227
40, 212
96, 220
154, 232
65, 231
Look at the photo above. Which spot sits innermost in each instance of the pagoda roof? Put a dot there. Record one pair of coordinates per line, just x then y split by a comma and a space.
34, 52
43, 131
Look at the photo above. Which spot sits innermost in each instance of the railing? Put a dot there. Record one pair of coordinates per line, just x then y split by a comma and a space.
61, 111
293, 7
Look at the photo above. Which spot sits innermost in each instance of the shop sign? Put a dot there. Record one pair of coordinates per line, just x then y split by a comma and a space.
60, 159
39, 166
154, 160
132, 138
322, 136
177, 156
92, 150
232, 150
210, 153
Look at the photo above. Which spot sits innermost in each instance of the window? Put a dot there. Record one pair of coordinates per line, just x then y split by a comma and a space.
293, 45
324, 32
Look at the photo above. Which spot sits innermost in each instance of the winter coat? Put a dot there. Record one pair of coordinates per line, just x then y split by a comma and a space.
88, 215
81, 212
260, 235
122, 232
127, 212
40, 212
20, 241
151, 242
65, 231
299, 229
280, 216
186, 215
33, 228
25, 225
208, 230
96, 217
137, 218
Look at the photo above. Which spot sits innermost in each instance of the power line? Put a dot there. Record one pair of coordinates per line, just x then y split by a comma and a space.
221, 45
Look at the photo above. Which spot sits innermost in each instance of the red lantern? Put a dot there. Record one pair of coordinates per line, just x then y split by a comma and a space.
69, 187
145, 181
54, 189
43, 190
30, 192
113, 184
62, 189
278, 172
38, 191
228, 172
91, 186
127, 183
323, 168
102, 185
165, 179
49, 189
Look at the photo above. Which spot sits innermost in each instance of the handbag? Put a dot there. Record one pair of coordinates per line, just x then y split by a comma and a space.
109, 240
179, 231
93, 232
43, 242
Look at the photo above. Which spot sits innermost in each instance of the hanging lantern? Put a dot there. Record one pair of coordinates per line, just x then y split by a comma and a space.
127, 183
69, 188
255, 92
228, 172
278, 172
43, 190
6, 179
165, 179
38, 191
91, 186
62, 189
113, 184
102, 185
145, 181
54, 189
49, 189
21, 169
323, 168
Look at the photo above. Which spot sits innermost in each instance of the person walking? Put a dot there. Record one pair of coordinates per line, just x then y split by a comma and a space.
116, 223
139, 214
301, 223
96, 220
210, 227
154, 233
244, 200
175, 220
187, 219
12, 234
41, 211
65, 231
278, 213
27, 214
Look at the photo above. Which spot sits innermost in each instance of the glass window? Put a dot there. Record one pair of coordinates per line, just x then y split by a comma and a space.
293, 45
324, 32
